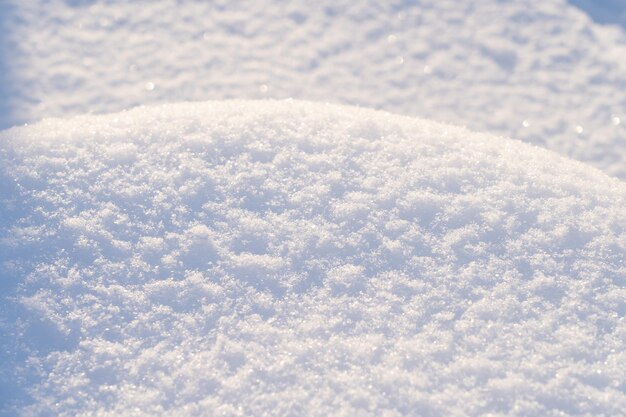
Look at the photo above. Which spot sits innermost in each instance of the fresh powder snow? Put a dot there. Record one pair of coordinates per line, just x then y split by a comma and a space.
286, 258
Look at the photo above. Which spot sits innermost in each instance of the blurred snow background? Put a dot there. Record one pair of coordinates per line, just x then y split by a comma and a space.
552, 73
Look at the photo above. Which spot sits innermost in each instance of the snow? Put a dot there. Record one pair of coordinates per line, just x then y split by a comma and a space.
542, 71
249, 258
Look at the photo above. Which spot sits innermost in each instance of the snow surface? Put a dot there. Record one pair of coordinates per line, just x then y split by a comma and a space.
541, 70
288, 258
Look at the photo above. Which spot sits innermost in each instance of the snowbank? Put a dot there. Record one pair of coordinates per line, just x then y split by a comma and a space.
287, 258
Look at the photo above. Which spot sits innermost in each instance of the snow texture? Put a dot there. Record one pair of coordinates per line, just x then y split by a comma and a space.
542, 71
287, 258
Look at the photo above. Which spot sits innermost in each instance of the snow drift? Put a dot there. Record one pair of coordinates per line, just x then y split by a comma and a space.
287, 258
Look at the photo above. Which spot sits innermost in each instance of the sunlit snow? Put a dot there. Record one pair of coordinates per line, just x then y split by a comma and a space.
165, 255
288, 258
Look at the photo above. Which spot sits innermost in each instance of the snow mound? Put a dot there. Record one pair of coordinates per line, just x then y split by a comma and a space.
288, 258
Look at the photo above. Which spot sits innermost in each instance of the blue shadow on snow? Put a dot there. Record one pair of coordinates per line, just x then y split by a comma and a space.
605, 12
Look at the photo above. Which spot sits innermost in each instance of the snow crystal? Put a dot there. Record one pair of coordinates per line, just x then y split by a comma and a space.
287, 258
615, 120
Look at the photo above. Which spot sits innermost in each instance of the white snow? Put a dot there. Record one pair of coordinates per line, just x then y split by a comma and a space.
287, 258
541, 71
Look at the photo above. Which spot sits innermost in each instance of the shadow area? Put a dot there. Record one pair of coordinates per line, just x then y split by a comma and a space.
604, 12
13, 379
13, 355
6, 86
